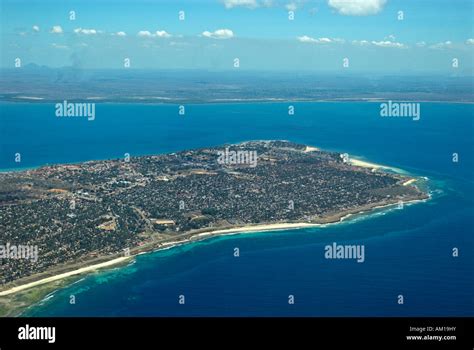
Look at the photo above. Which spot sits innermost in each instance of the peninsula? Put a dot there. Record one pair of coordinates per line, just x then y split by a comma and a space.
78, 216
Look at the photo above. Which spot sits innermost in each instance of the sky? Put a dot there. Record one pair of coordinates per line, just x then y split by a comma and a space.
374, 36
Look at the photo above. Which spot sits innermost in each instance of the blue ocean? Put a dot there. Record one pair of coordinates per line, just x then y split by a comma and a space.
408, 252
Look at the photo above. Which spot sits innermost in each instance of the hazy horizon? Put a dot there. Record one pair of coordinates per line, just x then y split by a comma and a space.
376, 36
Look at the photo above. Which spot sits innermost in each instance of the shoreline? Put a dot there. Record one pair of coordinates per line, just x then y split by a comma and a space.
19, 295
309, 148
275, 227
200, 236
63, 275
374, 166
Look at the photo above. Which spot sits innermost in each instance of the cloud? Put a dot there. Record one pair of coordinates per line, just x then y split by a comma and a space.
56, 30
357, 7
382, 43
157, 34
390, 37
440, 46
144, 34
36, 28
162, 34
121, 34
219, 34
388, 43
85, 31
240, 3
361, 42
470, 42
308, 39
292, 6
421, 44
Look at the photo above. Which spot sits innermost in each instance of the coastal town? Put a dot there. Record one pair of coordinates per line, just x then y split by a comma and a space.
76, 213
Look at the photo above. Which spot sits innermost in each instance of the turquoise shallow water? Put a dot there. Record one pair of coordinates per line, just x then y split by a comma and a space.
407, 251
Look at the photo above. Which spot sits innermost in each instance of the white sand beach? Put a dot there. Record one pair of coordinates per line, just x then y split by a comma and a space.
364, 164
374, 166
409, 182
259, 228
64, 275
311, 149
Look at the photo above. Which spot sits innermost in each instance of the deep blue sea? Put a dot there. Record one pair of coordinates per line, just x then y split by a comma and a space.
407, 252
